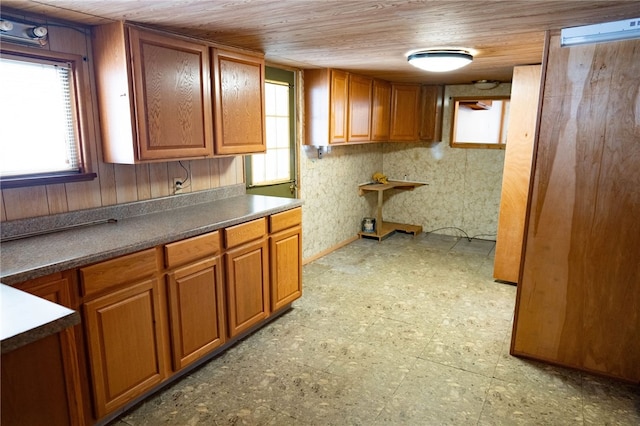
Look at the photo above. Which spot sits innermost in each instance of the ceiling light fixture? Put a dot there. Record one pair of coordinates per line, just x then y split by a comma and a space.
486, 84
440, 60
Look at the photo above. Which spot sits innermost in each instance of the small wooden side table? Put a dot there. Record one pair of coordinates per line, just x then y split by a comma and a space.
383, 228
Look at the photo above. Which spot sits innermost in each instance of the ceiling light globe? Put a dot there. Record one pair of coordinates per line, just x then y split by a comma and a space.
440, 60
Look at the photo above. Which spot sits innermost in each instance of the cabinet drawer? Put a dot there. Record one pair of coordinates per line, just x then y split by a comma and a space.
240, 234
284, 220
191, 249
111, 273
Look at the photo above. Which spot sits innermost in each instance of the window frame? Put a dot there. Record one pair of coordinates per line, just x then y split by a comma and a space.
78, 88
504, 114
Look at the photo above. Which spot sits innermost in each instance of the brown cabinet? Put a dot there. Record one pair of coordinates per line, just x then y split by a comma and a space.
359, 108
285, 251
196, 298
381, 110
239, 102
41, 380
125, 333
326, 106
431, 99
405, 112
247, 275
154, 94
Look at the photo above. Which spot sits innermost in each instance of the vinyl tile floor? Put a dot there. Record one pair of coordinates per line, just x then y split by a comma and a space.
407, 331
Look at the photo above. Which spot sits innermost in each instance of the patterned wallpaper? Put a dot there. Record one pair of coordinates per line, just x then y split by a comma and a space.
333, 210
463, 191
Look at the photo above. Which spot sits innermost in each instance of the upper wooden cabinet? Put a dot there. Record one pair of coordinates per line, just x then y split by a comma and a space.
239, 103
431, 100
157, 93
154, 94
359, 103
405, 112
380, 110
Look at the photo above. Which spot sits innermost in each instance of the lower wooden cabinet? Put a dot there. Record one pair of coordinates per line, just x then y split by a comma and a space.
285, 250
125, 344
41, 380
149, 314
247, 285
196, 311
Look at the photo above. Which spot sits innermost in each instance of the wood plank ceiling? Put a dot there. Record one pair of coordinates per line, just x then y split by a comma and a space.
370, 37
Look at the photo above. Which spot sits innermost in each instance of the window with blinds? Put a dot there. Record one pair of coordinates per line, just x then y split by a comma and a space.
39, 133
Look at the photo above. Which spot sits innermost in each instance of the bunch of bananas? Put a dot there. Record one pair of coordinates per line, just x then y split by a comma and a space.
379, 178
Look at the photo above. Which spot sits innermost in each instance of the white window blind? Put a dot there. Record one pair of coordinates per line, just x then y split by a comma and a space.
37, 117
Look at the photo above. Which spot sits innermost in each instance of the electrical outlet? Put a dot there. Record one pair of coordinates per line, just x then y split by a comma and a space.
177, 185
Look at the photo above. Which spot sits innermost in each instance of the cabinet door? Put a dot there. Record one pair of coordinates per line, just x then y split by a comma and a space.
196, 311
381, 110
359, 116
338, 106
285, 250
43, 374
247, 282
431, 113
125, 341
239, 103
405, 105
172, 96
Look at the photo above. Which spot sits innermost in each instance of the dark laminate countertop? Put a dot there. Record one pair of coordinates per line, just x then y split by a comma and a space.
45, 318
32, 257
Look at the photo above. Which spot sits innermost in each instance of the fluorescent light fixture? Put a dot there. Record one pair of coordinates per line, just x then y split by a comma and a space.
599, 33
440, 60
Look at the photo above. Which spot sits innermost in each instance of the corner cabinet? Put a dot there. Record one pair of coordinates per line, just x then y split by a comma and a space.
154, 94
41, 380
239, 103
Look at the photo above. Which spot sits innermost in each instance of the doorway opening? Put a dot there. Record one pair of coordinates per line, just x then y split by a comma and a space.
275, 172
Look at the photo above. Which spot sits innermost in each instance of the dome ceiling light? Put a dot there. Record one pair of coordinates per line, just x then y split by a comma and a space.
440, 60
486, 84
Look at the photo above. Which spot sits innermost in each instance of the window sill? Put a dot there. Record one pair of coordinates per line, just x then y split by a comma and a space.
24, 181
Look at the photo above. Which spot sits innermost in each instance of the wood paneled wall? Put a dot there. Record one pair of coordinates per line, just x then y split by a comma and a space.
578, 300
523, 114
116, 183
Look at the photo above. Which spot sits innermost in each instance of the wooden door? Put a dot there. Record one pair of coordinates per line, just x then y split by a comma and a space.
125, 344
338, 111
405, 104
239, 103
431, 98
381, 110
359, 114
196, 311
285, 250
523, 115
172, 96
579, 292
247, 279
